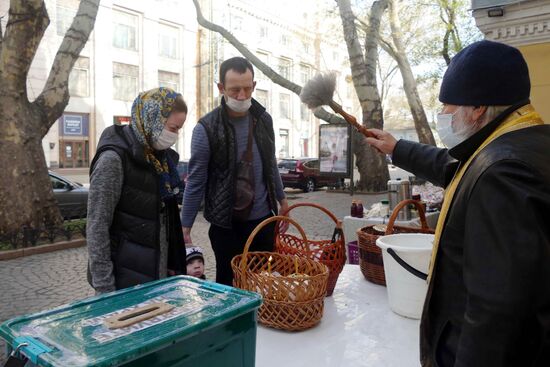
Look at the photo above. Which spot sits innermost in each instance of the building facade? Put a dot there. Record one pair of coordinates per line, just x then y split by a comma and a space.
525, 25
137, 45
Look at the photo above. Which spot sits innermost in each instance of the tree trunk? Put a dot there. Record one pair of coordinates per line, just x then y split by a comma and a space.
421, 124
25, 188
371, 164
26, 195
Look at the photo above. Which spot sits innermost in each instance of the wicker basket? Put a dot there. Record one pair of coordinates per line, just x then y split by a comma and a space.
289, 302
331, 252
370, 255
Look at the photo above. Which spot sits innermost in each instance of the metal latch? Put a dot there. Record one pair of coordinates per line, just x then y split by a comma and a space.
30, 347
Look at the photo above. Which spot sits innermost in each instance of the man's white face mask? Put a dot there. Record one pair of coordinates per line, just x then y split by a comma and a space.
238, 106
453, 134
165, 140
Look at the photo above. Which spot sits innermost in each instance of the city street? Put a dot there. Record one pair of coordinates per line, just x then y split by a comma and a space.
39, 282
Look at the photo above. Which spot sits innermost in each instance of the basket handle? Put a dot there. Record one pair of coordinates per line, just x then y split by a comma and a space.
322, 208
401, 205
255, 232
312, 205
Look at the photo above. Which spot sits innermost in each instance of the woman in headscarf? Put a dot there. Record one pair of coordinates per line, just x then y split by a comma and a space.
133, 226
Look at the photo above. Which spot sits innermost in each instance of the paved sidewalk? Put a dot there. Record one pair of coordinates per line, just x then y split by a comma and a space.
39, 282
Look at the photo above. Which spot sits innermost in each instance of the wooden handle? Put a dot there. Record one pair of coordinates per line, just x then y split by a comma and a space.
350, 119
136, 315
401, 205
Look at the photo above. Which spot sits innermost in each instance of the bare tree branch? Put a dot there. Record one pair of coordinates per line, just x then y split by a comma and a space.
447, 14
386, 80
364, 25
268, 72
409, 82
387, 46
55, 95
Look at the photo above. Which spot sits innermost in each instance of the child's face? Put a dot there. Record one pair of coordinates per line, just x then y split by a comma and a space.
195, 268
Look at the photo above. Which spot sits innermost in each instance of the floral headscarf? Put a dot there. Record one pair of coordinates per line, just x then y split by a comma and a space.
150, 111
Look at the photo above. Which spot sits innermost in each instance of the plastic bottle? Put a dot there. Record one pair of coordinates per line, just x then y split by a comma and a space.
353, 211
359, 209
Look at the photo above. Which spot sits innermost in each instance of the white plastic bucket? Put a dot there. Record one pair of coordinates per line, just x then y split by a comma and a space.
412, 252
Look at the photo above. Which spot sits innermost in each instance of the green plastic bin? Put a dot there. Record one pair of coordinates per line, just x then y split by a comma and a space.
207, 324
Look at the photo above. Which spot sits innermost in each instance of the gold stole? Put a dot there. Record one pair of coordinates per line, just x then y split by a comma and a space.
527, 117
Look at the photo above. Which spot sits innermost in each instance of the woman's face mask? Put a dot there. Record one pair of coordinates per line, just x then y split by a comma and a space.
453, 128
165, 140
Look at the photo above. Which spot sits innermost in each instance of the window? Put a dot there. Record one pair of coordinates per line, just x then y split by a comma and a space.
169, 80
58, 184
265, 59
73, 154
78, 79
284, 151
237, 23
264, 31
285, 40
284, 68
284, 105
304, 145
64, 18
168, 41
305, 113
125, 30
305, 73
305, 45
313, 164
125, 81
262, 97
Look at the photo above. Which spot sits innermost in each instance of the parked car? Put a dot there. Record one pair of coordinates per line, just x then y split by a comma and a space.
303, 173
72, 197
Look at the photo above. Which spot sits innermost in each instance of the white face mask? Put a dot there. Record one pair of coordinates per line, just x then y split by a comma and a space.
238, 106
450, 136
165, 140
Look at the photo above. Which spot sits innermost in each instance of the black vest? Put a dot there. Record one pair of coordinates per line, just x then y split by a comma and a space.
135, 229
220, 186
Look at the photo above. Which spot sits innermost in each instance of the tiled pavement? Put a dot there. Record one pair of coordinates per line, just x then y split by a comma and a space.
39, 282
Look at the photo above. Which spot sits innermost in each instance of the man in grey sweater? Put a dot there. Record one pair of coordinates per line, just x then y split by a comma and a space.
218, 144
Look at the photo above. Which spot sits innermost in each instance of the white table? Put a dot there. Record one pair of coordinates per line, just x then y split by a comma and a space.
357, 329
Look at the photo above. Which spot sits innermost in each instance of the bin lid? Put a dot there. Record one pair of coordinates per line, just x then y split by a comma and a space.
93, 331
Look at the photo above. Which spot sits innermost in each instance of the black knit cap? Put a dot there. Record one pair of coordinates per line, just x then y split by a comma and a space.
486, 73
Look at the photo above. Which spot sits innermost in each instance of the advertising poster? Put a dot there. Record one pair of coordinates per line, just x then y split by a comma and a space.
334, 149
